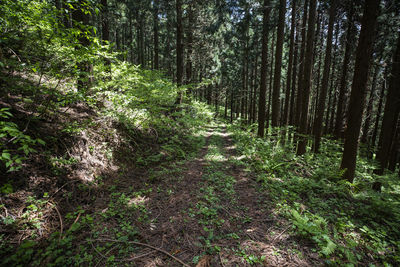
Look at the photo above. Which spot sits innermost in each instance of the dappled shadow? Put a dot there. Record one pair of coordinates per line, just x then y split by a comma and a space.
59, 176
159, 201
174, 222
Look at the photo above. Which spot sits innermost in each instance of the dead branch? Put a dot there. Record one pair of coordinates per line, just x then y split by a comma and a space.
143, 245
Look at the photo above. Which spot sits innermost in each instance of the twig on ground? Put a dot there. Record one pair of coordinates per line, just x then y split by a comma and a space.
60, 218
220, 259
273, 240
77, 218
138, 256
73, 181
144, 245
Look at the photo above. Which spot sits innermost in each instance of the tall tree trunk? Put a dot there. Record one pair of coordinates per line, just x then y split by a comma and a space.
232, 99
179, 49
343, 82
365, 131
308, 64
263, 76
357, 97
301, 68
271, 63
278, 64
289, 73
226, 104
391, 113
246, 80
105, 30
189, 44
394, 151
167, 52
251, 87
294, 75
155, 35
80, 17
314, 90
325, 80
379, 112
255, 86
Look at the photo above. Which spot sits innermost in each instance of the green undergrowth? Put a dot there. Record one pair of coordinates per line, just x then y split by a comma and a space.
175, 137
130, 122
349, 223
142, 101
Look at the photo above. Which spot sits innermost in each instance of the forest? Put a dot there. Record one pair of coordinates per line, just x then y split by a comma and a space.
200, 133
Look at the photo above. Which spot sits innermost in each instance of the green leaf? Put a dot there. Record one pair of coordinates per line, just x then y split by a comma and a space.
40, 141
6, 155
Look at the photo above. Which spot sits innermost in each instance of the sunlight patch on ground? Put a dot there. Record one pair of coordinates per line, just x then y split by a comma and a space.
239, 157
222, 134
216, 158
233, 147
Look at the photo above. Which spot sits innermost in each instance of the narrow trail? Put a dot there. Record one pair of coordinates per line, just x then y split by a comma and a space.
208, 211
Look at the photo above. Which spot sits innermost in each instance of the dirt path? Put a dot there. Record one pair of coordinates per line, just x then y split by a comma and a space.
207, 211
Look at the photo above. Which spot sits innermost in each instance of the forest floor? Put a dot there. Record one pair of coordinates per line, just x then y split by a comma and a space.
99, 194
206, 211
192, 192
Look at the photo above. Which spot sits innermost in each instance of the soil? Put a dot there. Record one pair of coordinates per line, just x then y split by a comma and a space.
262, 234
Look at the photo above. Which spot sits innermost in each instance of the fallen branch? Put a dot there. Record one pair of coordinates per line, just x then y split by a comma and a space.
60, 218
143, 245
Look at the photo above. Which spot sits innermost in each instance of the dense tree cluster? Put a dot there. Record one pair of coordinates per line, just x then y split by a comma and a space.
318, 67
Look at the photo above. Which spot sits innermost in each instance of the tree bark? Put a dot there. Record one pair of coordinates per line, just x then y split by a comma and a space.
189, 44
394, 151
288, 94
271, 70
357, 97
379, 112
343, 82
308, 64
325, 80
263, 76
179, 49
365, 131
301, 69
79, 16
294, 75
391, 113
278, 64
155, 35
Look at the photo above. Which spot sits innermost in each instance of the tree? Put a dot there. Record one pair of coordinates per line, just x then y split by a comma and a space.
189, 44
278, 64
263, 76
155, 32
325, 79
179, 48
290, 66
364, 137
391, 113
358, 89
301, 67
379, 111
308, 60
81, 20
345, 69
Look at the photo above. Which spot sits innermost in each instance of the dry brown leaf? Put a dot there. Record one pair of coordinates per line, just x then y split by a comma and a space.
204, 261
